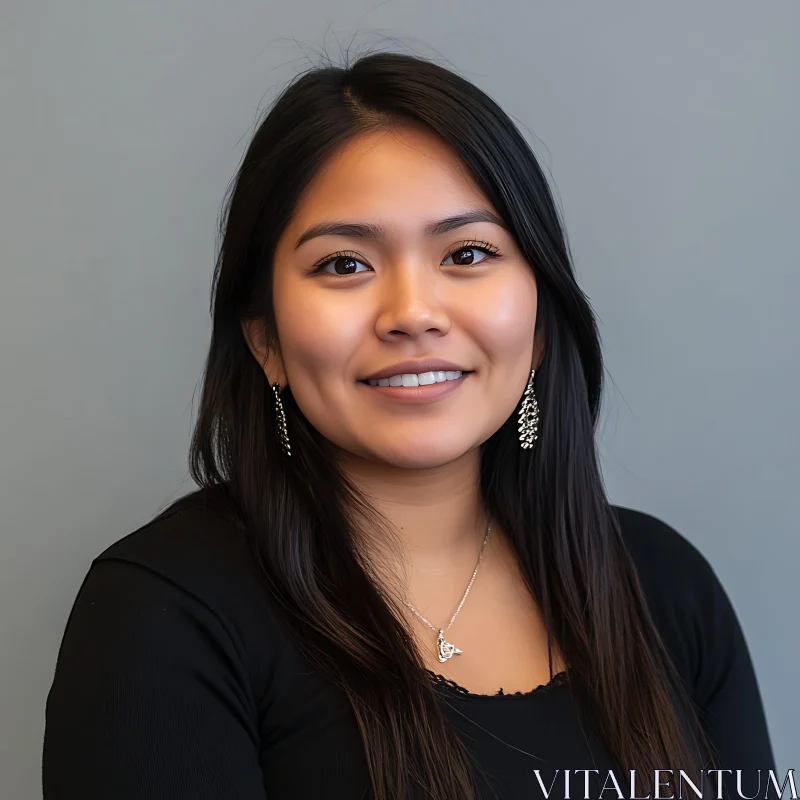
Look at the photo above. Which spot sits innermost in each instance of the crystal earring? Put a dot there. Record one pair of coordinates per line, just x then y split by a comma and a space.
528, 416
283, 434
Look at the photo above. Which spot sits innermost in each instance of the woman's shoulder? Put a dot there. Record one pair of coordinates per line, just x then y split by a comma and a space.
198, 536
168, 665
676, 577
199, 547
666, 560
688, 603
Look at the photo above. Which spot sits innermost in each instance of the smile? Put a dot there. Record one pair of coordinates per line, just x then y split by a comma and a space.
422, 388
412, 379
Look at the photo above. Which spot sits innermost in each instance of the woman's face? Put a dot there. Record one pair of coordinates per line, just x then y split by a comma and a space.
348, 305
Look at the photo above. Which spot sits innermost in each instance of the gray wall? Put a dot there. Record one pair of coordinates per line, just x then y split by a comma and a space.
670, 133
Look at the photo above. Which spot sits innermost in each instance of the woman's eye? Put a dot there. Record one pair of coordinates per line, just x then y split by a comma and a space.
466, 256
345, 264
342, 265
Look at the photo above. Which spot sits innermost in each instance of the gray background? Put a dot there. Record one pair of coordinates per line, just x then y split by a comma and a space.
671, 134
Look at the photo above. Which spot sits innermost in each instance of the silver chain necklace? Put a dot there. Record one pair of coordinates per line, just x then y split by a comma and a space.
444, 649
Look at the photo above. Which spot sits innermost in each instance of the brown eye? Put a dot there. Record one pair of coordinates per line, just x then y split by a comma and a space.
466, 256
343, 265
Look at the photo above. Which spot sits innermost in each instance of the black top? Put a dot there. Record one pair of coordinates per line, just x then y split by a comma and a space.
176, 679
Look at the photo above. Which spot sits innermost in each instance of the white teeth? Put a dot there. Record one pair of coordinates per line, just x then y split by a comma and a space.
423, 379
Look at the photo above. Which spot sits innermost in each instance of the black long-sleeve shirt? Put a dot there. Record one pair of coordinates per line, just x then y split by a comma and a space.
175, 679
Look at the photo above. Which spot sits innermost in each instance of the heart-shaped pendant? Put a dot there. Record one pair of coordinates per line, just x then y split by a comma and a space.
446, 650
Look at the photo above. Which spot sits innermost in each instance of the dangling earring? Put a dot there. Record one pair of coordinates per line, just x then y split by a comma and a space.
283, 434
528, 416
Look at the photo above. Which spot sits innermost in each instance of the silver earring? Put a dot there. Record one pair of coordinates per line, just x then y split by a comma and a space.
283, 434
528, 416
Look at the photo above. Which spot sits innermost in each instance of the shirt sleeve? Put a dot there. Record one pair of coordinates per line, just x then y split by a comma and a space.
150, 699
726, 691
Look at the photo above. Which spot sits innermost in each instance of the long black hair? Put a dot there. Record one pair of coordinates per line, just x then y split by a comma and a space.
303, 511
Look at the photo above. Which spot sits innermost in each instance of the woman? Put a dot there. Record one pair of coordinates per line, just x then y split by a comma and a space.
401, 576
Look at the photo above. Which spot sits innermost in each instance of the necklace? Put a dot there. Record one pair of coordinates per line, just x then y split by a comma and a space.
445, 649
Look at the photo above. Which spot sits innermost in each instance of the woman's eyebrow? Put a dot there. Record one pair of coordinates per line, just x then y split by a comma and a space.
376, 232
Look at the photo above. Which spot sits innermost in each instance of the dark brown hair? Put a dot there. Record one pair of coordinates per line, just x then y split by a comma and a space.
303, 512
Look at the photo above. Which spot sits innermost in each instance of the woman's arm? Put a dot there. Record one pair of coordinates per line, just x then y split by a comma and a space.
151, 699
700, 628
727, 693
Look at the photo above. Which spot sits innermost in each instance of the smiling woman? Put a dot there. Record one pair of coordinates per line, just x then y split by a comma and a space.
399, 197
392, 280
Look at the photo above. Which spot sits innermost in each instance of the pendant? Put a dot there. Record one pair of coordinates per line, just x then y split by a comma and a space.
446, 650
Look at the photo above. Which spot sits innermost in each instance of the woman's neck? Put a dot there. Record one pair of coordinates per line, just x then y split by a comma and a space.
437, 521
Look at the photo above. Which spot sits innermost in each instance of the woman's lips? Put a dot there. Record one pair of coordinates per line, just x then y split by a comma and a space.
418, 394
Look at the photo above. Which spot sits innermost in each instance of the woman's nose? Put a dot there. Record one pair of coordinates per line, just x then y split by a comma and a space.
411, 303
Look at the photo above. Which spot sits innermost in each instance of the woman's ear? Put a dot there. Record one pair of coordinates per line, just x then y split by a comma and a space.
268, 358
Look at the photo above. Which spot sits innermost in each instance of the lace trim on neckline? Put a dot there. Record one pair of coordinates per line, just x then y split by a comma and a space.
559, 679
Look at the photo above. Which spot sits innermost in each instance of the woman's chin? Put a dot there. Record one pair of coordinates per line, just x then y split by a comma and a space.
428, 454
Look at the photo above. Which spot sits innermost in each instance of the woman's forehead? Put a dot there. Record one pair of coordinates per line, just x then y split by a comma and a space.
387, 180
